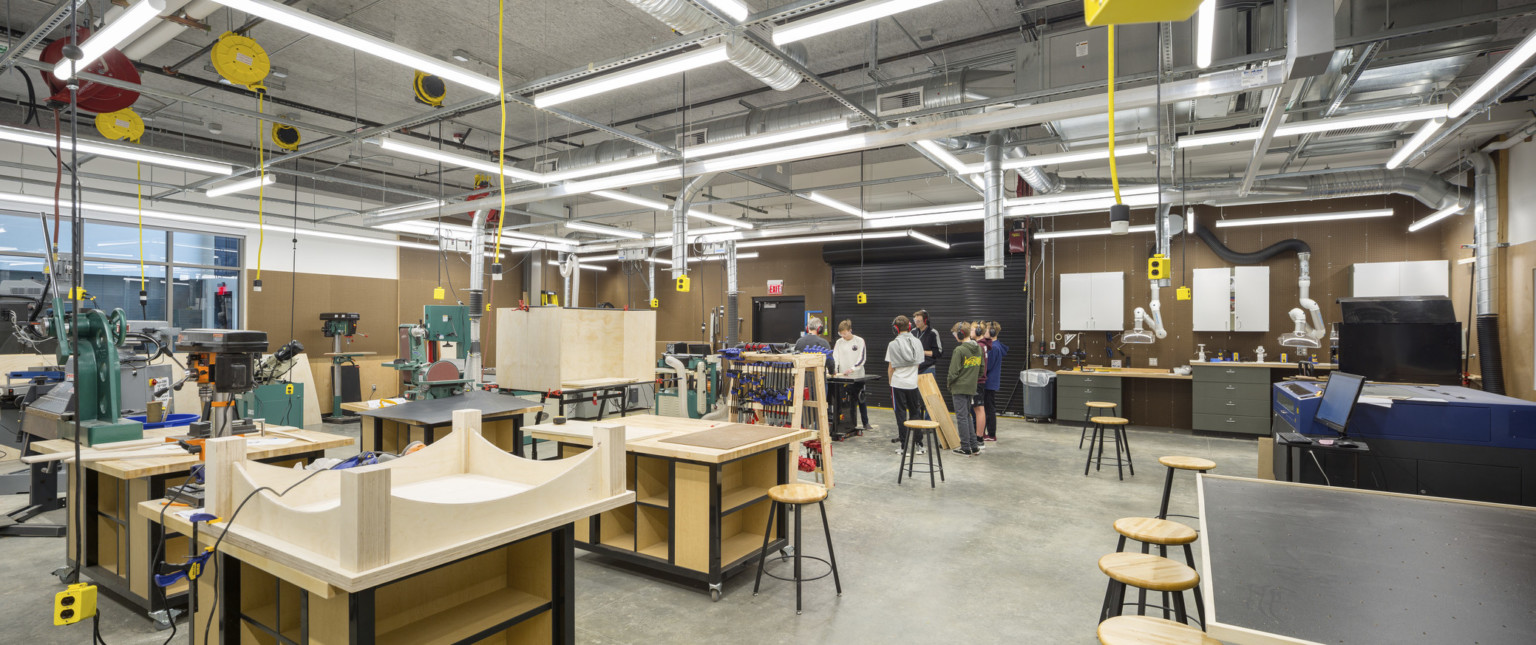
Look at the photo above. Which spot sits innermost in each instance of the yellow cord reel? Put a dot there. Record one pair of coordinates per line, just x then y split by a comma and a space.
240, 60
430, 90
122, 125
286, 136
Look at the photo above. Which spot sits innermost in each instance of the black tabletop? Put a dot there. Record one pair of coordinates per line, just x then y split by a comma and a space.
1336, 565
437, 412
853, 379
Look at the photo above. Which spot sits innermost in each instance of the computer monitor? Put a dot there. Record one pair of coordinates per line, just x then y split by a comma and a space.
1339, 398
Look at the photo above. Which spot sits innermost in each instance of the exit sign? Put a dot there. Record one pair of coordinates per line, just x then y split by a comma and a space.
775, 287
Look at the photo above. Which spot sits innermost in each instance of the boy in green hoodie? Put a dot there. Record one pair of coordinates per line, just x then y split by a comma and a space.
964, 370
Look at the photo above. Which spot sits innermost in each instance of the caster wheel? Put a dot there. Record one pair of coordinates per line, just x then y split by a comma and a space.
66, 575
714, 595
788, 551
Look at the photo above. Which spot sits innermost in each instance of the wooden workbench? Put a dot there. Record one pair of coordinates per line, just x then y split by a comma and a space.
391, 428
1128, 372
699, 512
120, 544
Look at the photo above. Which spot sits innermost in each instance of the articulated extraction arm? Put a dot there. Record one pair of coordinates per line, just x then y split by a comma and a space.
1305, 336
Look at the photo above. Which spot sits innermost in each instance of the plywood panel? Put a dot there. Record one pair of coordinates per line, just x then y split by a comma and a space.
289, 307
544, 347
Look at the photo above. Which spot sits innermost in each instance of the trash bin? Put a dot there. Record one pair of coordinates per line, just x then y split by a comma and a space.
1039, 394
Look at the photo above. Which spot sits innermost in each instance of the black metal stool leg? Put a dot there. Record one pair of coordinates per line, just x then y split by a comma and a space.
831, 556
1141, 594
901, 459
1162, 511
1125, 435
1178, 607
1119, 461
1087, 413
938, 453
1189, 558
799, 548
767, 533
1087, 465
931, 482
1098, 433
1163, 551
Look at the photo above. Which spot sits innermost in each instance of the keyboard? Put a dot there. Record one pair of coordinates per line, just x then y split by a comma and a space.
1295, 437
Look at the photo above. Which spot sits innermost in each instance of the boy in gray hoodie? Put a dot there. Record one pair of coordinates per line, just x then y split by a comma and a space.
903, 356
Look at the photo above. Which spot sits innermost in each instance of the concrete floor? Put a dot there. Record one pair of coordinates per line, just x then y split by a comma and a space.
1005, 550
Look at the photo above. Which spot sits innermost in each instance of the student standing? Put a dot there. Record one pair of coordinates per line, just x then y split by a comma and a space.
812, 338
979, 334
996, 350
964, 367
932, 349
850, 353
902, 357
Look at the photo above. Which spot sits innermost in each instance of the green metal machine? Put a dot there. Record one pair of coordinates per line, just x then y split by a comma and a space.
96, 398
687, 385
275, 400
423, 374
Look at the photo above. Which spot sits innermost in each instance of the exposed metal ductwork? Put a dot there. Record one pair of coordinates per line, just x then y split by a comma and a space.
761, 65
1424, 186
680, 223
732, 295
681, 15
992, 217
1485, 235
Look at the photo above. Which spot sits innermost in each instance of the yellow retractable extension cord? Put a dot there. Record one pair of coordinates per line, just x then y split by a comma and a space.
243, 61
1119, 213
125, 125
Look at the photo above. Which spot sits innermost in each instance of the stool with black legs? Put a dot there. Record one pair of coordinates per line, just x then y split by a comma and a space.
1162, 534
1090, 409
798, 495
1179, 463
1149, 572
1146, 630
1115, 426
927, 433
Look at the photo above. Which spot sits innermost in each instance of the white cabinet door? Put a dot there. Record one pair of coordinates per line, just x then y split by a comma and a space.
1076, 301
1250, 298
1213, 300
1427, 278
1108, 313
1375, 279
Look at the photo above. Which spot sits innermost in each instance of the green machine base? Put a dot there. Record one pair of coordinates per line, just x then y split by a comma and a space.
97, 432
278, 404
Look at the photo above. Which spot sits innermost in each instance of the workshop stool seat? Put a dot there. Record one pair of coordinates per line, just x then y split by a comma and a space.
1116, 427
1149, 572
918, 429
1163, 534
1090, 408
1179, 463
797, 495
1146, 630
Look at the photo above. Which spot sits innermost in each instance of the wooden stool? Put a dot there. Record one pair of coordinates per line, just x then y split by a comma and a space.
1145, 630
1088, 414
1116, 425
1162, 533
917, 430
1149, 572
798, 495
1179, 463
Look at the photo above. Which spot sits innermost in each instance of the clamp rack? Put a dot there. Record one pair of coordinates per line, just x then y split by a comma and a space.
777, 389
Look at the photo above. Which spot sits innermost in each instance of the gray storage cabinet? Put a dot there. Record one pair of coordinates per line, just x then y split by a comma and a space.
1074, 391
1228, 398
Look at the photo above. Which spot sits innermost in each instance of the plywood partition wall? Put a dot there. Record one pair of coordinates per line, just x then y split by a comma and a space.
545, 347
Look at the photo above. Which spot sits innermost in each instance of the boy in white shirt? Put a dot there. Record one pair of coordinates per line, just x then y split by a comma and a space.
849, 355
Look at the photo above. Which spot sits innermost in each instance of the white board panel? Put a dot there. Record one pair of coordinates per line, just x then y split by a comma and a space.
1076, 301
1375, 279
1250, 298
1108, 313
1426, 278
1212, 303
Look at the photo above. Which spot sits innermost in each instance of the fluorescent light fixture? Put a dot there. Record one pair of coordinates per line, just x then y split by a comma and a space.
821, 238
1467, 260
720, 219
735, 9
138, 14
708, 258
1514, 60
241, 186
656, 205
1205, 29
1088, 232
834, 204
651, 71
946, 158
605, 230
1189, 221
151, 157
590, 267
598, 169
1318, 125
346, 36
556, 243
697, 232
1417, 141
1075, 156
396, 145
928, 238
1435, 217
842, 18
792, 134
1058, 198
1297, 219
412, 208
951, 217
822, 148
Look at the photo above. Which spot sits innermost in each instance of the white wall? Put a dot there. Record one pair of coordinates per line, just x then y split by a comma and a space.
1522, 193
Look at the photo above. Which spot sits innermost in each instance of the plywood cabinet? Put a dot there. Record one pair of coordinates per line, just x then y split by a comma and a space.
1093, 301
1231, 299
550, 348
1378, 279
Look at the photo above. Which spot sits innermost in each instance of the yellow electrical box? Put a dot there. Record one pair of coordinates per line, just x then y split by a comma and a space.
863, 299
1157, 267
1183, 293
1098, 13
74, 604
655, 303
682, 284
288, 389
439, 293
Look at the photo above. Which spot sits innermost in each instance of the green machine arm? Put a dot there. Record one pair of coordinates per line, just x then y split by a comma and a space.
98, 384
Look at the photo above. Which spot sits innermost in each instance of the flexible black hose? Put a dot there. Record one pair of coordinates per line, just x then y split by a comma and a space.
1250, 258
1490, 357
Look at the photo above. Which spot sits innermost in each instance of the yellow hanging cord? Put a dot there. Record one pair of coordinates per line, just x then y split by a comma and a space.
261, 186
501, 141
1114, 172
138, 192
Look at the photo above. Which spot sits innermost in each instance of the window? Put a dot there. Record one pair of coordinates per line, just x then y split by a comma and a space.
116, 286
205, 298
207, 250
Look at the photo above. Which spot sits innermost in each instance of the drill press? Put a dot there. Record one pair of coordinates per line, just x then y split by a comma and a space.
223, 362
346, 385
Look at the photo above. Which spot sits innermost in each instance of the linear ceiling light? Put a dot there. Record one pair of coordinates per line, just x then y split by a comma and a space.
822, 148
928, 238
241, 186
834, 204
1205, 26
396, 145
651, 71
1087, 232
1515, 59
1418, 140
411, 208
946, 157
150, 157
951, 217
792, 134
1035, 161
589, 267
1296, 219
845, 17
1467, 260
1317, 125
735, 9
598, 169
821, 238
605, 230
655, 205
1057, 198
1435, 217
112, 35
346, 36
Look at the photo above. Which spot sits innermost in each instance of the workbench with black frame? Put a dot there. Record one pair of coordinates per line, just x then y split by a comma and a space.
1302, 461
120, 545
699, 513
597, 392
844, 394
393, 427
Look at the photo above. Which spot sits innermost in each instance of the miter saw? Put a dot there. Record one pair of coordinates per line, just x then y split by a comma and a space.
423, 373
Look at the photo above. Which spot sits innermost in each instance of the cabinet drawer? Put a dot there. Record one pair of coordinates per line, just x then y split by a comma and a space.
1244, 391
1089, 394
1231, 423
1227, 406
1231, 374
1088, 380
1075, 406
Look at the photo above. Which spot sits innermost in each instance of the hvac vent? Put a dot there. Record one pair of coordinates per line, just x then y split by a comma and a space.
693, 138
899, 102
546, 166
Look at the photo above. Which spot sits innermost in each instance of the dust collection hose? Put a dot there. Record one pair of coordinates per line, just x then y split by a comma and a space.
1489, 353
1255, 257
